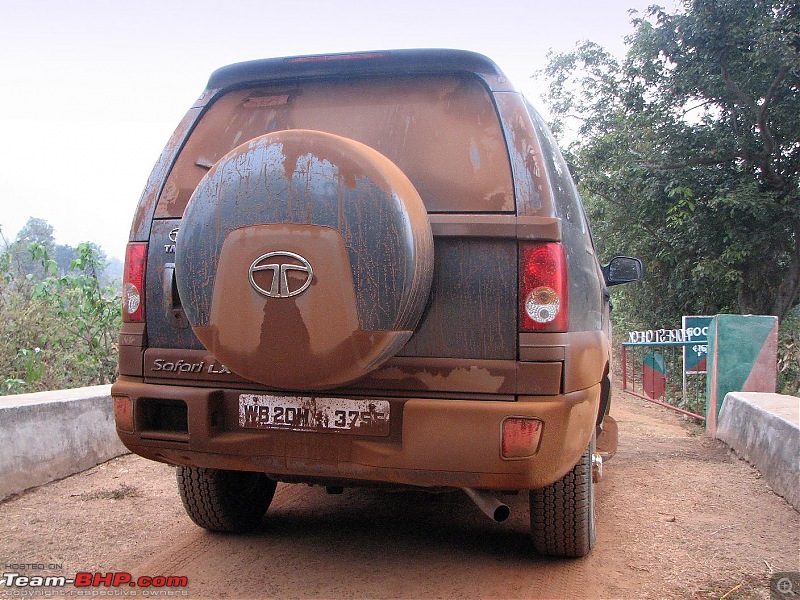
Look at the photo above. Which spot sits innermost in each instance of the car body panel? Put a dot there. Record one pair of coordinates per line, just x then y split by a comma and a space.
497, 183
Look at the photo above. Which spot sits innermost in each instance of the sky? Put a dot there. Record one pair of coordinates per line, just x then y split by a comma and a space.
92, 90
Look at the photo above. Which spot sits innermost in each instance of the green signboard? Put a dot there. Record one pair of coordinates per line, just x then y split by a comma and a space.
694, 355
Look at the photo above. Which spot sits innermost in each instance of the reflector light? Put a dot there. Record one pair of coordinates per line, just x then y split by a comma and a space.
520, 437
123, 413
133, 283
543, 288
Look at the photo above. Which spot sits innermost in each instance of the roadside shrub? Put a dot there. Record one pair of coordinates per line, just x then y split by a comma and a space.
56, 331
789, 354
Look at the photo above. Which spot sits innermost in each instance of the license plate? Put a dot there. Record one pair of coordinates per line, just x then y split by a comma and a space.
304, 413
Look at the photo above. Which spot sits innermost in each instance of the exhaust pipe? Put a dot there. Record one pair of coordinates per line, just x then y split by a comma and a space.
491, 506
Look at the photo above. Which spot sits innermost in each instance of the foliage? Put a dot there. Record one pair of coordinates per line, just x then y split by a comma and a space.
35, 231
688, 154
789, 355
57, 329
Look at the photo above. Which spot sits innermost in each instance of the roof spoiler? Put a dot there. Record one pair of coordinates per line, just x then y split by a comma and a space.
355, 64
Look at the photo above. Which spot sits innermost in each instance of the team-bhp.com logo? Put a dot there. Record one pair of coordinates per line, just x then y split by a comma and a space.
151, 586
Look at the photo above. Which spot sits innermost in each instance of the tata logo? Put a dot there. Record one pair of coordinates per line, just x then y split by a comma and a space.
173, 236
279, 264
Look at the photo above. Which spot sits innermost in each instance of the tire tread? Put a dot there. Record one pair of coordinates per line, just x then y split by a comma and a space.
215, 499
562, 513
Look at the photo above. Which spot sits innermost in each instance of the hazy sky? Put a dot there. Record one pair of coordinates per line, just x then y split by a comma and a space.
92, 90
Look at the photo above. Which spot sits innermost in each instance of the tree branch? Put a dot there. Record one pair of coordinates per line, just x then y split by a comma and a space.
761, 115
789, 288
731, 85
654, 233
765, 160
773, 88
692, 162
702, 104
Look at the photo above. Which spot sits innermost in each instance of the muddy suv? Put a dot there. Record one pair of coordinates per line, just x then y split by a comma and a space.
364, 269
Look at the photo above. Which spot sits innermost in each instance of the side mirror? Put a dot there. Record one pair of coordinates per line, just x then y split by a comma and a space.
622, 269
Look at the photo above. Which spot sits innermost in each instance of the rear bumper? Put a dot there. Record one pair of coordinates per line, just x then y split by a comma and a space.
432, 442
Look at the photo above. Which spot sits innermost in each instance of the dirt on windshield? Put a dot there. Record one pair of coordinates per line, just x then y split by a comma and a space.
678, 515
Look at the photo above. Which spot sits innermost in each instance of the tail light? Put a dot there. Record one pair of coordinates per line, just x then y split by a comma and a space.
133, 283
543, 288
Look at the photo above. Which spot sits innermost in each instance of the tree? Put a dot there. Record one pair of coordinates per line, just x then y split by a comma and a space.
64, 254
35, 231
688, 152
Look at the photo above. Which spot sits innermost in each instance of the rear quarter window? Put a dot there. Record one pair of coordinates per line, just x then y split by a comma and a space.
566, 199
442, 131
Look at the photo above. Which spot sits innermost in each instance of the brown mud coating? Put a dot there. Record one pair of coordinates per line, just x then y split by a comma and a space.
321, 338
401, 194
324, 351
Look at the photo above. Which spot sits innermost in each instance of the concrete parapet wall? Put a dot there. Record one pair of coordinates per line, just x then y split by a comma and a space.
764, 429
50, 435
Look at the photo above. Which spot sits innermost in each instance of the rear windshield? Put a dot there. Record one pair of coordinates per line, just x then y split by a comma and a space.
442, 131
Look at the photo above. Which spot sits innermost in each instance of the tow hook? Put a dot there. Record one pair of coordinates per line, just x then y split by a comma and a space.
597, 467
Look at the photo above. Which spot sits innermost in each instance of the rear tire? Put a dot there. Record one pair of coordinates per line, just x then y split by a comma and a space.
225, 501
562, 514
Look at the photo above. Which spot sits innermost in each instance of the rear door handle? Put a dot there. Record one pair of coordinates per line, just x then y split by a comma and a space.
172, 302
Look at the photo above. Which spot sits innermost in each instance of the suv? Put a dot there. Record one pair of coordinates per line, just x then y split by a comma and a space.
361, 269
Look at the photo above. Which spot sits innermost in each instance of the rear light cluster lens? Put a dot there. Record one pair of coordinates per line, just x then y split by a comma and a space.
542, 304
133, 283
543, 288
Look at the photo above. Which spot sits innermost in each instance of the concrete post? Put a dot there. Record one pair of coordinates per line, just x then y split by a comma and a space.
742, 357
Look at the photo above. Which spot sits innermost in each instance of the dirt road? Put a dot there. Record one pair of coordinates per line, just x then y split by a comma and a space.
678, 517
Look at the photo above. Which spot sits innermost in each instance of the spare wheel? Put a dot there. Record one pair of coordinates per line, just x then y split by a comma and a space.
304, 260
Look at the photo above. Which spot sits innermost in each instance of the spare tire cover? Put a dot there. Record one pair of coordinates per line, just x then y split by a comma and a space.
304, 260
